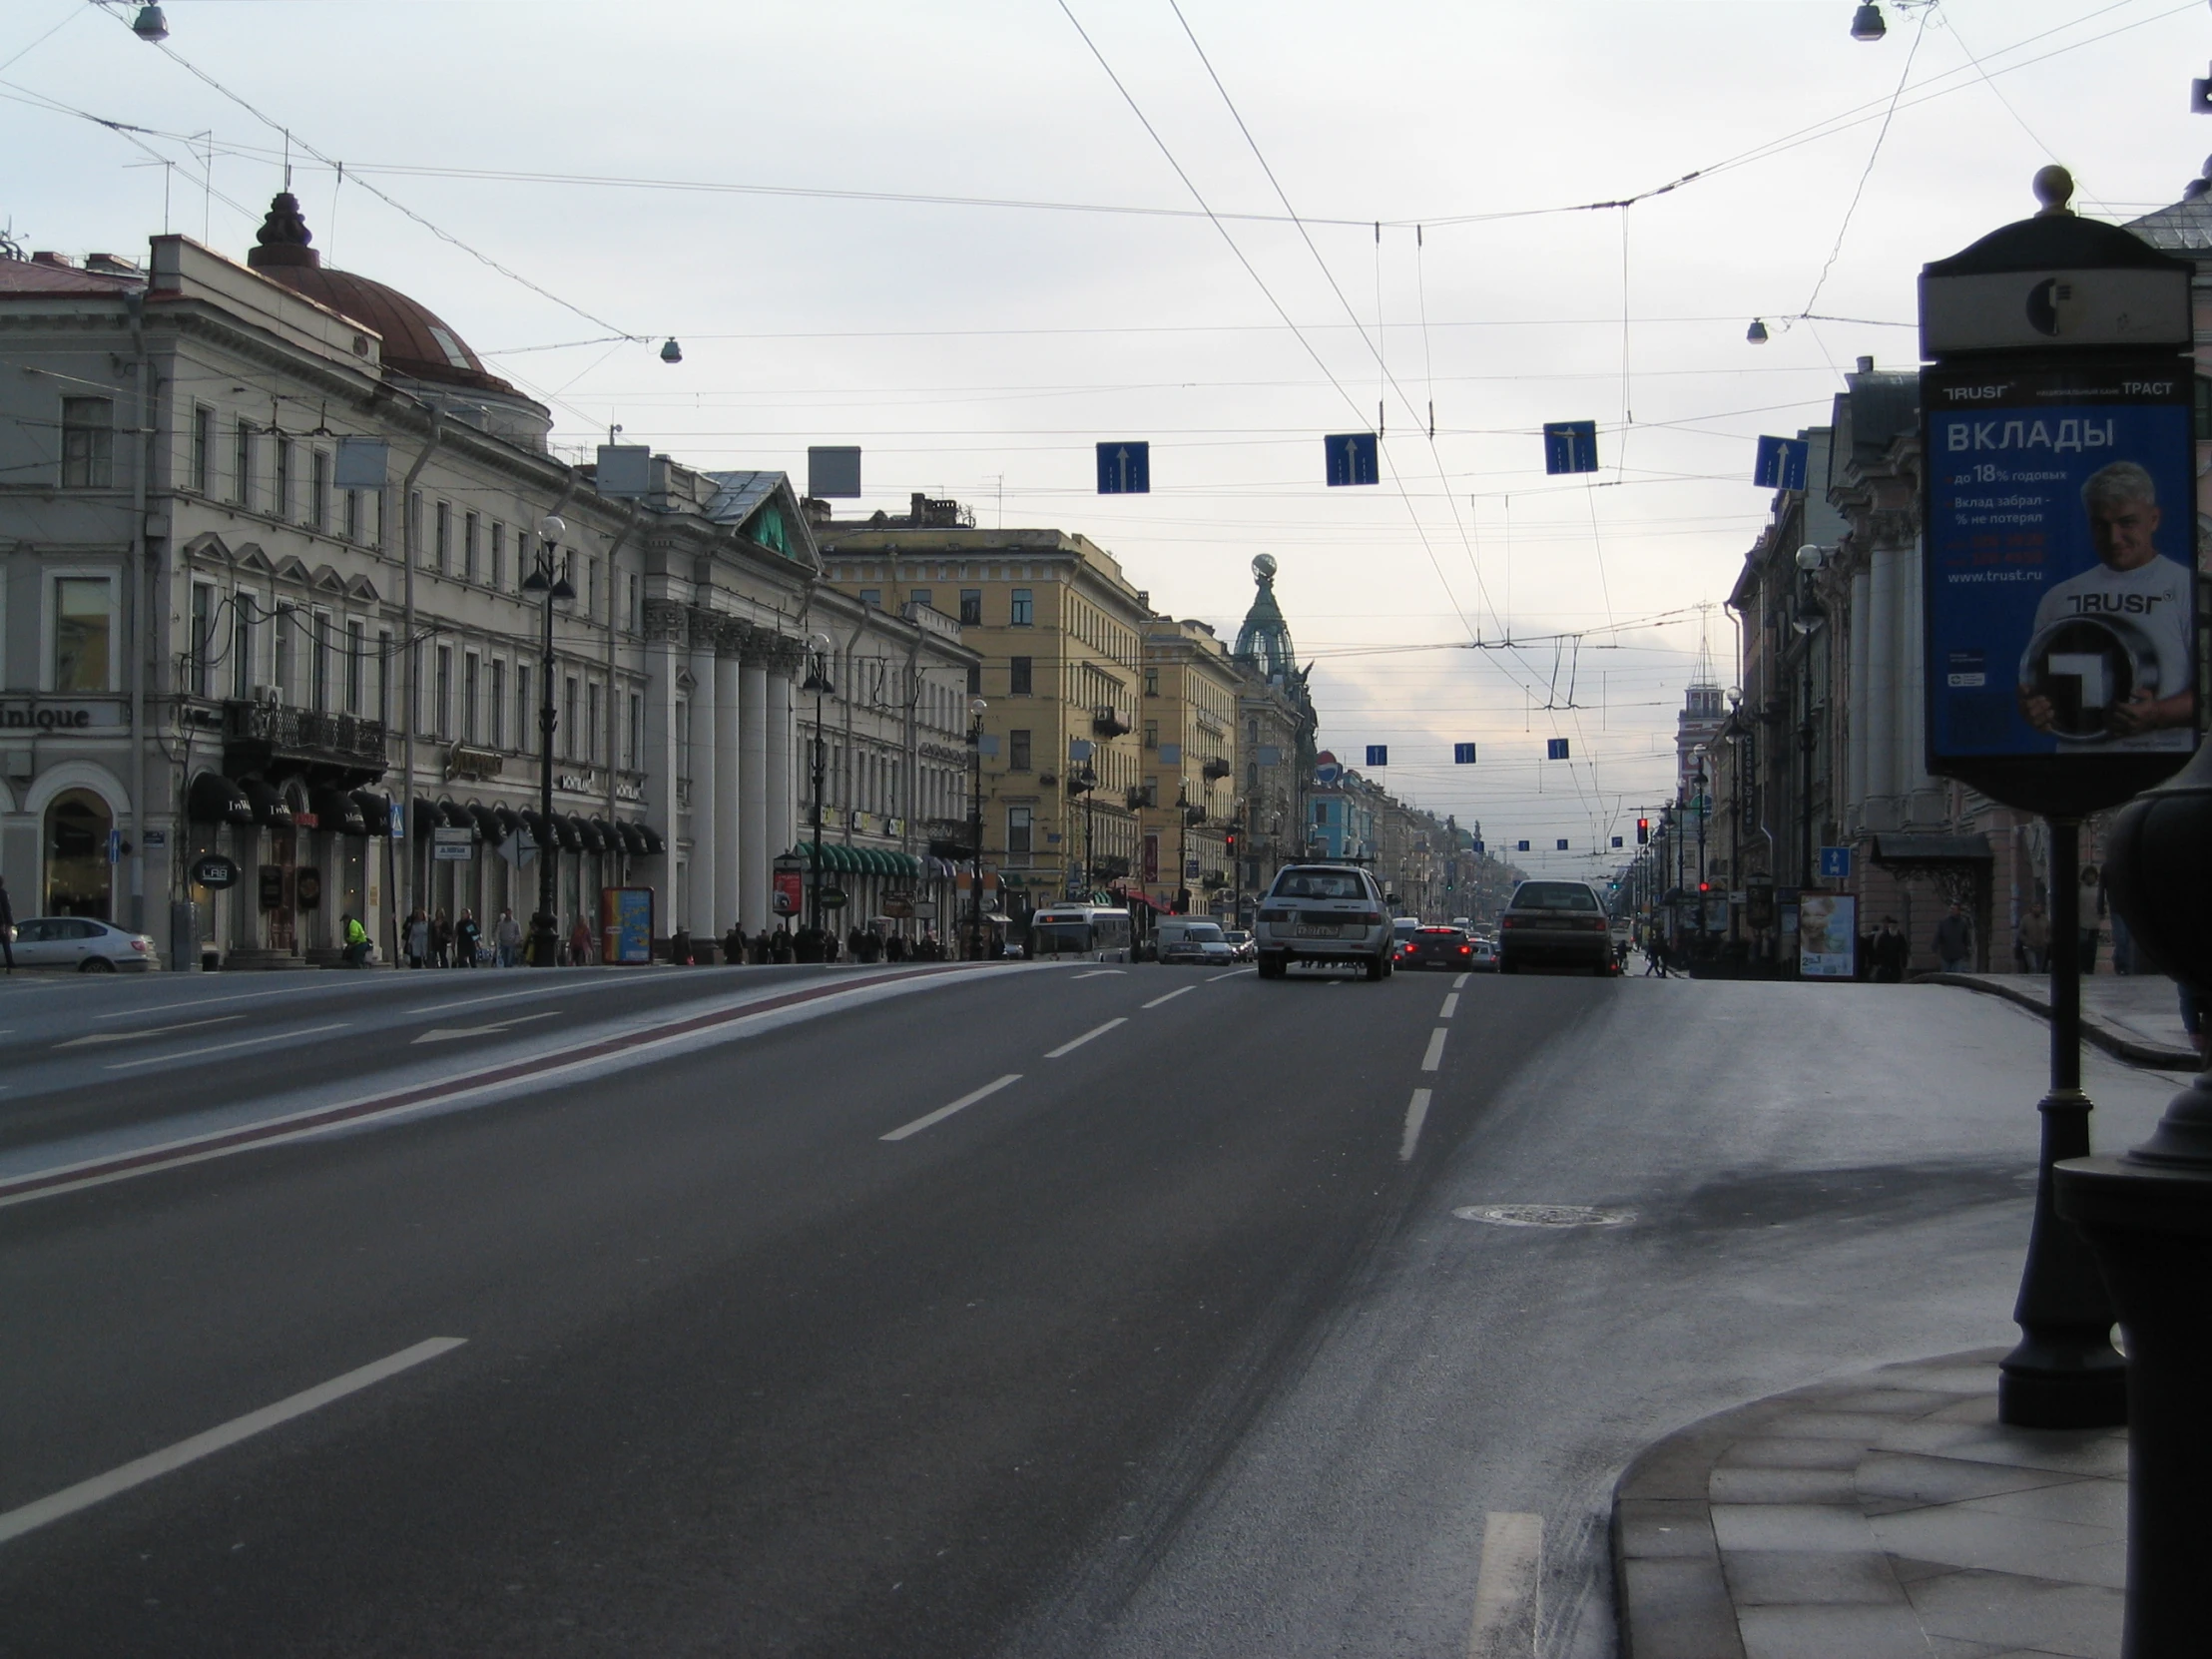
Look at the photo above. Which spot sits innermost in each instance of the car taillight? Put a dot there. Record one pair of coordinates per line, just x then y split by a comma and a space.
1371, 917
1510, 922
1466, 950
142, 945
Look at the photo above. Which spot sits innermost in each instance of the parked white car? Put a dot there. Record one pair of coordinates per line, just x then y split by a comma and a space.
82, 943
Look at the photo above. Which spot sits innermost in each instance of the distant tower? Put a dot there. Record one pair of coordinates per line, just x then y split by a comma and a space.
1700, 721
1264, 642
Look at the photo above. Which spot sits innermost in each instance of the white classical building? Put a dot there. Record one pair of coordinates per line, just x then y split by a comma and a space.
266, 530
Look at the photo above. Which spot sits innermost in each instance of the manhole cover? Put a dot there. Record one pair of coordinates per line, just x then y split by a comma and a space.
1546, 1215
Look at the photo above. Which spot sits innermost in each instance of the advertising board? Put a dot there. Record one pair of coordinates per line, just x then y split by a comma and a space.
1828, 936
626, 924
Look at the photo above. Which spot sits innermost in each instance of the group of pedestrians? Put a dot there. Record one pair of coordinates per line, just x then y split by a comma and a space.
433, 940
808, 944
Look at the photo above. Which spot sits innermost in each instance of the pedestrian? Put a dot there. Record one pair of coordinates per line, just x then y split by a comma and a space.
442, 940
2035, 939
2092, 916
732, 944
1954, 940
895, 948
356, 940
1889, 953
466, 933
7, 924
579, 944
780, 945
507, 940
418, 940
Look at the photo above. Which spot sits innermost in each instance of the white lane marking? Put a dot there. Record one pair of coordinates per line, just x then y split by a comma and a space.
317, 984
505, 996
15, 1522
943, 1112
219, 1049
1436, 1055
1094, 1031
1171, 996
1450, 1007
450, 1033
1231, 974
1100, 973
1508, 1589
150, 1031
1416, 1114
1460, 982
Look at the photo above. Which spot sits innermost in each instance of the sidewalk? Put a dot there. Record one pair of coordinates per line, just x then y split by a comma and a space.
1887, 1513
2136, 1016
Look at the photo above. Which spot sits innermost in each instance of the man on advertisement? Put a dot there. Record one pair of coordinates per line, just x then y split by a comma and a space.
2108, 663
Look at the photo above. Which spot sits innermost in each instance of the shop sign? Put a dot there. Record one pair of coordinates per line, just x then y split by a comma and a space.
155, 840
626, 924
214, 870
306, 886
450, 845
926, 909
273, 887
42, 714
832, 898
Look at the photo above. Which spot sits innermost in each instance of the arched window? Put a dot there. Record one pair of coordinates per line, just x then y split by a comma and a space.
79, 879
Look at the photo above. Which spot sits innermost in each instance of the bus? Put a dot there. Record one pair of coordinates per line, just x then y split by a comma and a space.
1088, 932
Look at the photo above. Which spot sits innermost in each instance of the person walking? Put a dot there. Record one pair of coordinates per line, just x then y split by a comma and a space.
507, 939
1954, 940
356, 940
418, 940
732, 944
2036, 940
466, 933
579, 944
7, 924
1889, 953
442, 940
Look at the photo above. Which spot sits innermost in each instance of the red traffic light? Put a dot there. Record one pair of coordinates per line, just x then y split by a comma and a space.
1644, 831
1705, 887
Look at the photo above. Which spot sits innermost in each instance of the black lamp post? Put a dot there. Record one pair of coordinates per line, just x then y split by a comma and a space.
976, 706
819, 682
1083, 784
546, 577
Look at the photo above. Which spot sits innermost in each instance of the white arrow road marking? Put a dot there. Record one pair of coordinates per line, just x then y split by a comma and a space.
150, 1031
220, 1048
449, 1033
1416, 1114
943, 1112
15, 1522
1436, 1055
1508, 1599
1094, 1031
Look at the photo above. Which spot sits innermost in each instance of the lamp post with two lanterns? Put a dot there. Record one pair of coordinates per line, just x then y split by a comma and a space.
547, 578
819, 682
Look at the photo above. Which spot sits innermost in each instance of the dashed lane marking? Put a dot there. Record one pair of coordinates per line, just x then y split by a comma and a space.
1460, 983
1171, 996
1436, 1055
1508, 1589
150, 1031
318, 983
1100, 973
219, 1049
15, 1522
943, 1112
1450, 1007
1094, 1031
1416, 1114
1231, 974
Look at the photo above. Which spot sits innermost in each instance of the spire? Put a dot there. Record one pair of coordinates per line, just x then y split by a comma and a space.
1264, 642
284, 236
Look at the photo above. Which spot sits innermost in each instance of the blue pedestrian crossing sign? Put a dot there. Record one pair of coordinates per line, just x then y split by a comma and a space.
1781, 463
1352, 459
1463, 753
1835, 864
1570, 446
1125, 469
1520, 847
1379, 754
1555, 749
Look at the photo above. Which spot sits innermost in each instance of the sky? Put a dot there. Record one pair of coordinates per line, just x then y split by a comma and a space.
976, 238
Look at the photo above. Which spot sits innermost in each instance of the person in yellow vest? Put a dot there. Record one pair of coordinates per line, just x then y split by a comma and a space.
357, 943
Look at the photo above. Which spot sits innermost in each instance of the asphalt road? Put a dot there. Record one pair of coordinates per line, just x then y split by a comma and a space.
676, 1313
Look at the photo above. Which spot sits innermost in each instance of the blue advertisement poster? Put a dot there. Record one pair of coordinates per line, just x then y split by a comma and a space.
2059, 563
626, 924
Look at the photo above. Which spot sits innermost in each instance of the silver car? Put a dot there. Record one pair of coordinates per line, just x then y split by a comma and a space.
82, 943
1324, 914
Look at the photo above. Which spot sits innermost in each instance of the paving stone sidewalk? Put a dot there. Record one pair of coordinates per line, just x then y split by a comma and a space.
1883, 1514
2133, 1016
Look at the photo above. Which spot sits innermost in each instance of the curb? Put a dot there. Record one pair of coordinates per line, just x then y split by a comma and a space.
2157, 1056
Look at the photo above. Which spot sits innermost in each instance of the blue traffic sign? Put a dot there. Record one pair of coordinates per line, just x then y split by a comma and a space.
1570, 446
1616, 841
1555, 749
1463, 753
1781, 463
1352, 459
1379, 754
1125, 469
1520, 847
1474, 847
1562, 844
1835, 864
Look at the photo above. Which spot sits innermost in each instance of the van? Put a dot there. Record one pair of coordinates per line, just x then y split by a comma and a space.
1190, 939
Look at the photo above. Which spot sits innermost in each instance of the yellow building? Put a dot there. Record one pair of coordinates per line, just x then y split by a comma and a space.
1186, 730
1059, 630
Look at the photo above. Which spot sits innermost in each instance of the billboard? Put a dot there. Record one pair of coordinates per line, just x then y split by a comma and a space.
2060, 561
1828, 936
626, 924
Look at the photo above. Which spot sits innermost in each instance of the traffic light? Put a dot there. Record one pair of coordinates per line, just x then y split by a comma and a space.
1644, 831
1705, 887
1228, 844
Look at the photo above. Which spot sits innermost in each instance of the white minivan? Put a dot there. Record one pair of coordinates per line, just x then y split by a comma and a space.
1191, 940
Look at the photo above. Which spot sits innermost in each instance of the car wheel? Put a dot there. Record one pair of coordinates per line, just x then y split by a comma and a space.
96, 964
1376, 966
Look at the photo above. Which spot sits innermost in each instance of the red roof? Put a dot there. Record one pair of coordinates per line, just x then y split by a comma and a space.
38, 277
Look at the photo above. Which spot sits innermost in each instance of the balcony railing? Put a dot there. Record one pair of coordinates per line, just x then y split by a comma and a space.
1111, 721
280, 742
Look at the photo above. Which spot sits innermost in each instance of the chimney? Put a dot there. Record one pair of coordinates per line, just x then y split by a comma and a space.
1866, 365
48, 257
111, 265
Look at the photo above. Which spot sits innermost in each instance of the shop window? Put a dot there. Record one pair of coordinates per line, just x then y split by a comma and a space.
84, 625
79, 879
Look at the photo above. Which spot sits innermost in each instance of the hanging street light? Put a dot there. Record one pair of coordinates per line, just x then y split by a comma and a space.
1866, 23
671, 352
1757, 332
149, 26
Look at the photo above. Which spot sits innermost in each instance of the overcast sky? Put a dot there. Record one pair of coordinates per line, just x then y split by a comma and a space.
827, 291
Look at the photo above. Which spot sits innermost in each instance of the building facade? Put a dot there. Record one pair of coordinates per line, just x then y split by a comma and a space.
1187, 719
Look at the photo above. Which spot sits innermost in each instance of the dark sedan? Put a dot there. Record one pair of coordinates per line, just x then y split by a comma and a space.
1555, 924
1436, 947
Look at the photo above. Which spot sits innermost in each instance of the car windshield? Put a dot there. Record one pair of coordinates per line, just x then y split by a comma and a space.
1319, 884
1203, 932
1553, 896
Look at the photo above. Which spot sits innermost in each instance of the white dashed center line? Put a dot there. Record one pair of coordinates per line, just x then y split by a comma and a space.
1436, 1055
1450, 1007
1507, 1586
1460, 982
943, 1112
1171, 996
219, 1049
1416, 1114
1094, 1031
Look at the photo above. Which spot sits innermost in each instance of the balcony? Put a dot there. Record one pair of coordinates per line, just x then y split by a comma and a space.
1217, 769
276, 743
1111, 721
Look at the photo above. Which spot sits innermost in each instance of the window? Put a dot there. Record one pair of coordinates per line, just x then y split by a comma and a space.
82, 622
319, 662
468, 547
872, 597
441, 708
353, 515
568, 718
591, 722
498, 703
631, 613
242, 465
203, 449
1152, 681
1018, 676
1023, 611
384, 675
283, 491
637, 729
1152, 734
589, 591
242, 646
971, 606
1018, 822
286, 619
356, 652
1152, 792
443, 541
921, 597
974, 678
1017, 743
522, 708
498, 556
472, 667
319, 489
202, 638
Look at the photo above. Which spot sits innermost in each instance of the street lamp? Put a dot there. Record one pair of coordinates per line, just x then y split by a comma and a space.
1082, 783
975, 829
819, 682
151, 26
1866, 23
545, 577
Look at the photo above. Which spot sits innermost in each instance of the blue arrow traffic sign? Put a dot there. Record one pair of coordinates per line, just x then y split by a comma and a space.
1352, 459
1379, 754
1520, 847
1125, 469
1555, 749
1570, 446
1781, 463
1463, 753
1835, 864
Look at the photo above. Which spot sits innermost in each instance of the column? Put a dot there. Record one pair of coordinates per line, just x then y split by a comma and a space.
1882, 679
1856, 706
753, 785
661, 762
728, 718
782, 772
701, 766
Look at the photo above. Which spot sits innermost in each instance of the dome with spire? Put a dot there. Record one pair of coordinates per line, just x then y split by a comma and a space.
417, 342
1264, 642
